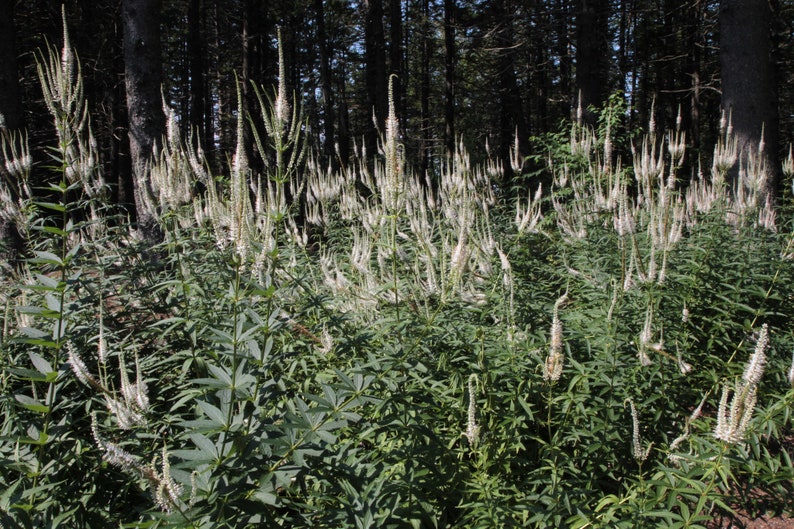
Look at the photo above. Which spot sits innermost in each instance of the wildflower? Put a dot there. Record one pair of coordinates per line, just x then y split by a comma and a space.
527, 219
193, 488
684, 367
791, 371
681, 438
111, 452
102, 346
79, 369
326, 341
552, 369
127, 389
281, 104
645, 340
126, 416
755, 366
639, 453
472, 428
141, 390
732, 422
459, 259
167, 491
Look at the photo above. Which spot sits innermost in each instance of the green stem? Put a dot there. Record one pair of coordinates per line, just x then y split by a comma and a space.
235, 354
60, 332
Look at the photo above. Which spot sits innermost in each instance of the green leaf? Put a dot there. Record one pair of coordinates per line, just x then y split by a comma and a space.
28, 374
40, 364
222, 374
266, 497
31, 404
46, 258
47, 281
60, 208
205, 445
214, 414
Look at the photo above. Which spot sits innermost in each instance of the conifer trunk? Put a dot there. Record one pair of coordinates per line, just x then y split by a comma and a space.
143, 77
11, 110
749, 92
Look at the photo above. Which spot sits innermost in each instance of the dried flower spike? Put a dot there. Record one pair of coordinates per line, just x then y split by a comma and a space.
552, 369
755, 366
791, 371
472, 428
639, 453
732, 421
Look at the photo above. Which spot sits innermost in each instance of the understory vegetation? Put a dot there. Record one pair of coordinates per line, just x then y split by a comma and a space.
308, 348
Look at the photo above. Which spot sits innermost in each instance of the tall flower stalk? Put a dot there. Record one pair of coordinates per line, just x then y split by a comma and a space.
472, 428
734, 418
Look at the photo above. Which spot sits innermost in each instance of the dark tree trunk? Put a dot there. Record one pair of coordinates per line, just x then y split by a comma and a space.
10, 101
450, 59
326, 85
344, 120
197, 83
695, 43
564, 54
375, 66
11, 111
120, 167
143, 74
512, 121
749, 94
592, 54
424, 94
538, 66
396, 70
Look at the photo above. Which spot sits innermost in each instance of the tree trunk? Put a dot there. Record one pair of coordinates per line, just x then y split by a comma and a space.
512, 122
749, 94
10, 102
537, 66
424, 92
375, 70
344, 117
326, 87
563, 52
592, 52
197, 85
450, 58
396, 59
143, 75
12, 117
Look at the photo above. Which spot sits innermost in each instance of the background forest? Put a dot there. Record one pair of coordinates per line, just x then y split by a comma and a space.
396, 264
487, 72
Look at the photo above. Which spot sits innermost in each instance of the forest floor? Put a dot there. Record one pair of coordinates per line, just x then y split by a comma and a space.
742, 521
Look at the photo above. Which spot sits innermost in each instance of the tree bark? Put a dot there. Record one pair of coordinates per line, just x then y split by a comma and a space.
10, 101
326, 85
512, 122
424, 93
592, 53
396, 59
143, 75
12, 116
749, 94
450, 59
375, 69
562, 15
197, 84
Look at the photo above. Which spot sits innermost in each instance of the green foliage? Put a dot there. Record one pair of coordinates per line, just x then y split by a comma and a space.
392, 364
